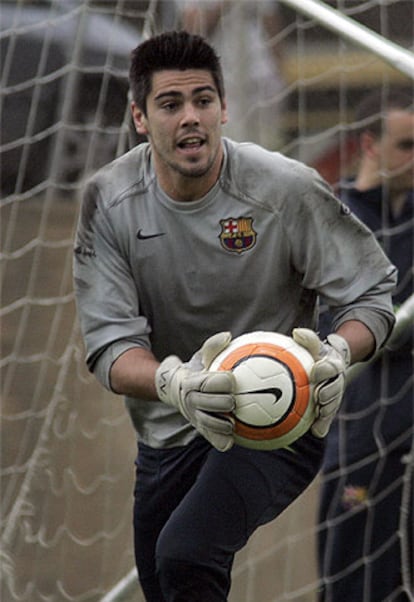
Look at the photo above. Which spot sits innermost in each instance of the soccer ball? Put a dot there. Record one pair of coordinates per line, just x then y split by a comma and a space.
274, 397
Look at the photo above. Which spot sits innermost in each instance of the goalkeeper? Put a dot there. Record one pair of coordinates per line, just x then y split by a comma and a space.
183, 243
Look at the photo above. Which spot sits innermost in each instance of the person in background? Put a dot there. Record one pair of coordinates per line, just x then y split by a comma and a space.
187, 241
366, 522
245, 36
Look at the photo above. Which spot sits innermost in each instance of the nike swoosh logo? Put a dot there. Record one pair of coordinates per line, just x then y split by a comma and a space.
142, 236
277, 393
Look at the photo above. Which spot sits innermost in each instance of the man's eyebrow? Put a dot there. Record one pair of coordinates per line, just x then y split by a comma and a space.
176, 94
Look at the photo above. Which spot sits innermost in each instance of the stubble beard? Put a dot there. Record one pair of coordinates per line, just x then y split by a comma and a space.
193, 171
168, 163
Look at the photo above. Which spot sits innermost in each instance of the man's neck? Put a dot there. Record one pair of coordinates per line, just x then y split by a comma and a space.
396, 198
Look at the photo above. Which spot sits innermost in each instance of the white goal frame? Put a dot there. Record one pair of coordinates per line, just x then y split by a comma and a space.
349, 29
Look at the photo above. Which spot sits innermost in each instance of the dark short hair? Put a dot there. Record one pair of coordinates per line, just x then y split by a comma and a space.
171, 50
370, 113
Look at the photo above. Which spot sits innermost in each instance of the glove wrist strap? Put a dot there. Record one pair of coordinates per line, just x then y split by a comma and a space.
341, 346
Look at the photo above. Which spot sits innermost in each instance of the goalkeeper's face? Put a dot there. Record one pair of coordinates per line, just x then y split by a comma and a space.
183, 121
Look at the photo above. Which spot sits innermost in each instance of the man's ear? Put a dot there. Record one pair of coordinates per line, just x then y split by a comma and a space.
369, 144
224, 114
139, 119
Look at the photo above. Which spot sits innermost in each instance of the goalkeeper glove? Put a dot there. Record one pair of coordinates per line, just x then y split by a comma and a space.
201, 396
332, 358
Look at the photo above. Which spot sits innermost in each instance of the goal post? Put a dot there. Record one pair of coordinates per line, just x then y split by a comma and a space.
360, 35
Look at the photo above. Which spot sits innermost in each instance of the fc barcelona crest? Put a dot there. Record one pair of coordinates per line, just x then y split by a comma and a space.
237, 234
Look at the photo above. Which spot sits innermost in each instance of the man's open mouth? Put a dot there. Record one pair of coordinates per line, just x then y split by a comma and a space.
191, 143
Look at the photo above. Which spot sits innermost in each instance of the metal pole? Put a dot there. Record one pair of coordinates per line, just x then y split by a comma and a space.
348, 28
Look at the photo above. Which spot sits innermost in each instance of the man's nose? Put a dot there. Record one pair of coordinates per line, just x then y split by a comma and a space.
191, 115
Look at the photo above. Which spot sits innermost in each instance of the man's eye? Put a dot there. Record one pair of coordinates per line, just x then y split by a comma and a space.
169, 106
406, 145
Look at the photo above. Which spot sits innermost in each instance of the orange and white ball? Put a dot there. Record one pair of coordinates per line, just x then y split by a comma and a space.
274, 396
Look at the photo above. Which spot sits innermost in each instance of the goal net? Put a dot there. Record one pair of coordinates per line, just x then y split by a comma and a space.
67, 446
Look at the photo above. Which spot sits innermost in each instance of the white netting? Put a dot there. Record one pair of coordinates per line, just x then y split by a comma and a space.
67, 447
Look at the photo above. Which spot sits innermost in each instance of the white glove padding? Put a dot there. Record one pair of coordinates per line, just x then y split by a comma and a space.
202, 397
332, 358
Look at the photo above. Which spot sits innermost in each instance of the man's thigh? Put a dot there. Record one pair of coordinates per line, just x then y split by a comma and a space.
234, 493
163, 477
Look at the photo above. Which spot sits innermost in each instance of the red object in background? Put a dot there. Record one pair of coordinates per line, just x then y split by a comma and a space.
338, 161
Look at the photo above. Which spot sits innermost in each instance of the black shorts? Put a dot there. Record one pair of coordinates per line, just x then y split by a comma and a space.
195, 506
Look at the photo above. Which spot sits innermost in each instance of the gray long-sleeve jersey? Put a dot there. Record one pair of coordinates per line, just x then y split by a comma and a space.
253, 254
